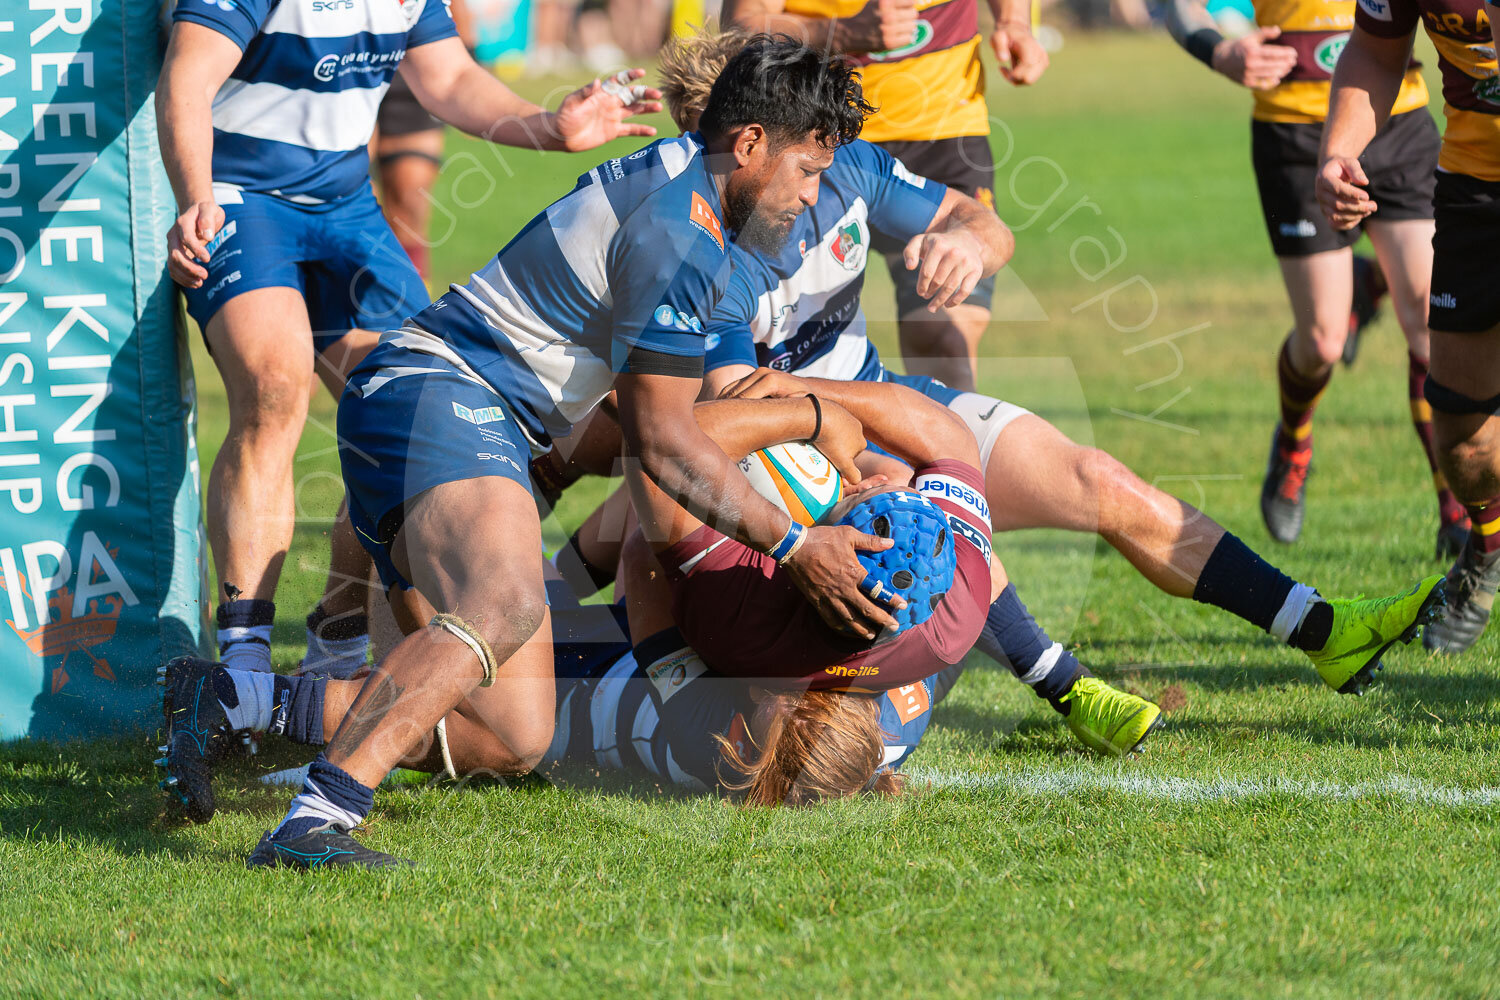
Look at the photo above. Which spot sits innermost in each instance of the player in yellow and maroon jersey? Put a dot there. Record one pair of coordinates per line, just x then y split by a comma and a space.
1288, 63
920, 67
1464, 389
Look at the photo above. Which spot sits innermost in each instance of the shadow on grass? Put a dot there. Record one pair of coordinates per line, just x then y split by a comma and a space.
100, 793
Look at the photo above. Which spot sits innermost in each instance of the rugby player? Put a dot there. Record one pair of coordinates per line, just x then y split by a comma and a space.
265, 108
1464, 387
919, 60
799, 312
606, 289
1287, 62
746, 595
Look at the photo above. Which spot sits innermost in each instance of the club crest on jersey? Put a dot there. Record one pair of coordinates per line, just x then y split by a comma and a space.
704, 218
1327, 54
848, 247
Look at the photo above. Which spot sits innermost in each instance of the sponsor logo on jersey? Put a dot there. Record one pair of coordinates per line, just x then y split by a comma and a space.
1380, 10
963, 529
950, 489
671, 674
919, 38
665, 315
481, 415
702, 216
1327, 54
1488, 89
1445, 300
319, 6
910, 701
223, 234
325, 68
848, 247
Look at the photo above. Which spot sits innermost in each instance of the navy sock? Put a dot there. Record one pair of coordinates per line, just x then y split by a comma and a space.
297, 708
1012, 637
330, 795
1242, 583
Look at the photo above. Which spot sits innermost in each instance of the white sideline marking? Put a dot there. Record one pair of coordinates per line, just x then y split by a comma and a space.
1058, 783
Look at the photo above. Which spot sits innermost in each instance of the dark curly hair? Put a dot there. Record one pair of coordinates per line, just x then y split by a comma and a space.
789, 90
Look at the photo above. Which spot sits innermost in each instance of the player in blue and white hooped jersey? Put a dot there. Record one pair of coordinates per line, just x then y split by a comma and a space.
607, 289
265, 108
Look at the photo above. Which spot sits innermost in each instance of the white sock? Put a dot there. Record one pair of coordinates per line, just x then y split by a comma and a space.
1043, 665
1293, 611
246, 647
256, 689
337, 658
315, 811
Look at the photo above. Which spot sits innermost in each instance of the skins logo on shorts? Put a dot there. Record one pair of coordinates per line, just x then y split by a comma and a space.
848, 247
483, 415
1327, 54
1380, 10
920, 37
704, 218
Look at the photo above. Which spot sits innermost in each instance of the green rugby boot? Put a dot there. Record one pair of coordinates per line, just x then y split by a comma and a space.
1364, 629
1107, 720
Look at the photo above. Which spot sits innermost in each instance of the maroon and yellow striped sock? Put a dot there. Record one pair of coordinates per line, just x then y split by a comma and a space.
1449, 509
1299, 397
1484, 531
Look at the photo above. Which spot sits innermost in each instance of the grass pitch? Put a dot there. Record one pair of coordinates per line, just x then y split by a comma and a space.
1274, 840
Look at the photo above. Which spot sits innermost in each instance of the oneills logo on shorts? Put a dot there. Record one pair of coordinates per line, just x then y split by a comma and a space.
704, 218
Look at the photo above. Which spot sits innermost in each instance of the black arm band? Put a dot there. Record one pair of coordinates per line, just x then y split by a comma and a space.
1201, 43
817, 418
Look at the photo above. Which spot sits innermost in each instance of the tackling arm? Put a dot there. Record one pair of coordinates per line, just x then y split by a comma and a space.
674, 469
897, 418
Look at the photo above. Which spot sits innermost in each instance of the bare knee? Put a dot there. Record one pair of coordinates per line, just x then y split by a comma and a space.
511, 615
1325, 340
271, 401
1114, 491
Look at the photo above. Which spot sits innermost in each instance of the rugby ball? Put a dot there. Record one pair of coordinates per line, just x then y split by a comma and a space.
796, 477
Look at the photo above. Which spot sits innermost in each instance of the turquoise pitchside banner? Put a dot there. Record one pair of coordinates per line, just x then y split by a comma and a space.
100, 539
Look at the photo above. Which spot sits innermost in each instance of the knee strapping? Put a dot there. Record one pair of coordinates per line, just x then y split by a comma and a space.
1446, 400
469, 636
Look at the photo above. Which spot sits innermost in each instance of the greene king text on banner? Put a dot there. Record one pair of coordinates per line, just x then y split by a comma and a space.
99, 510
